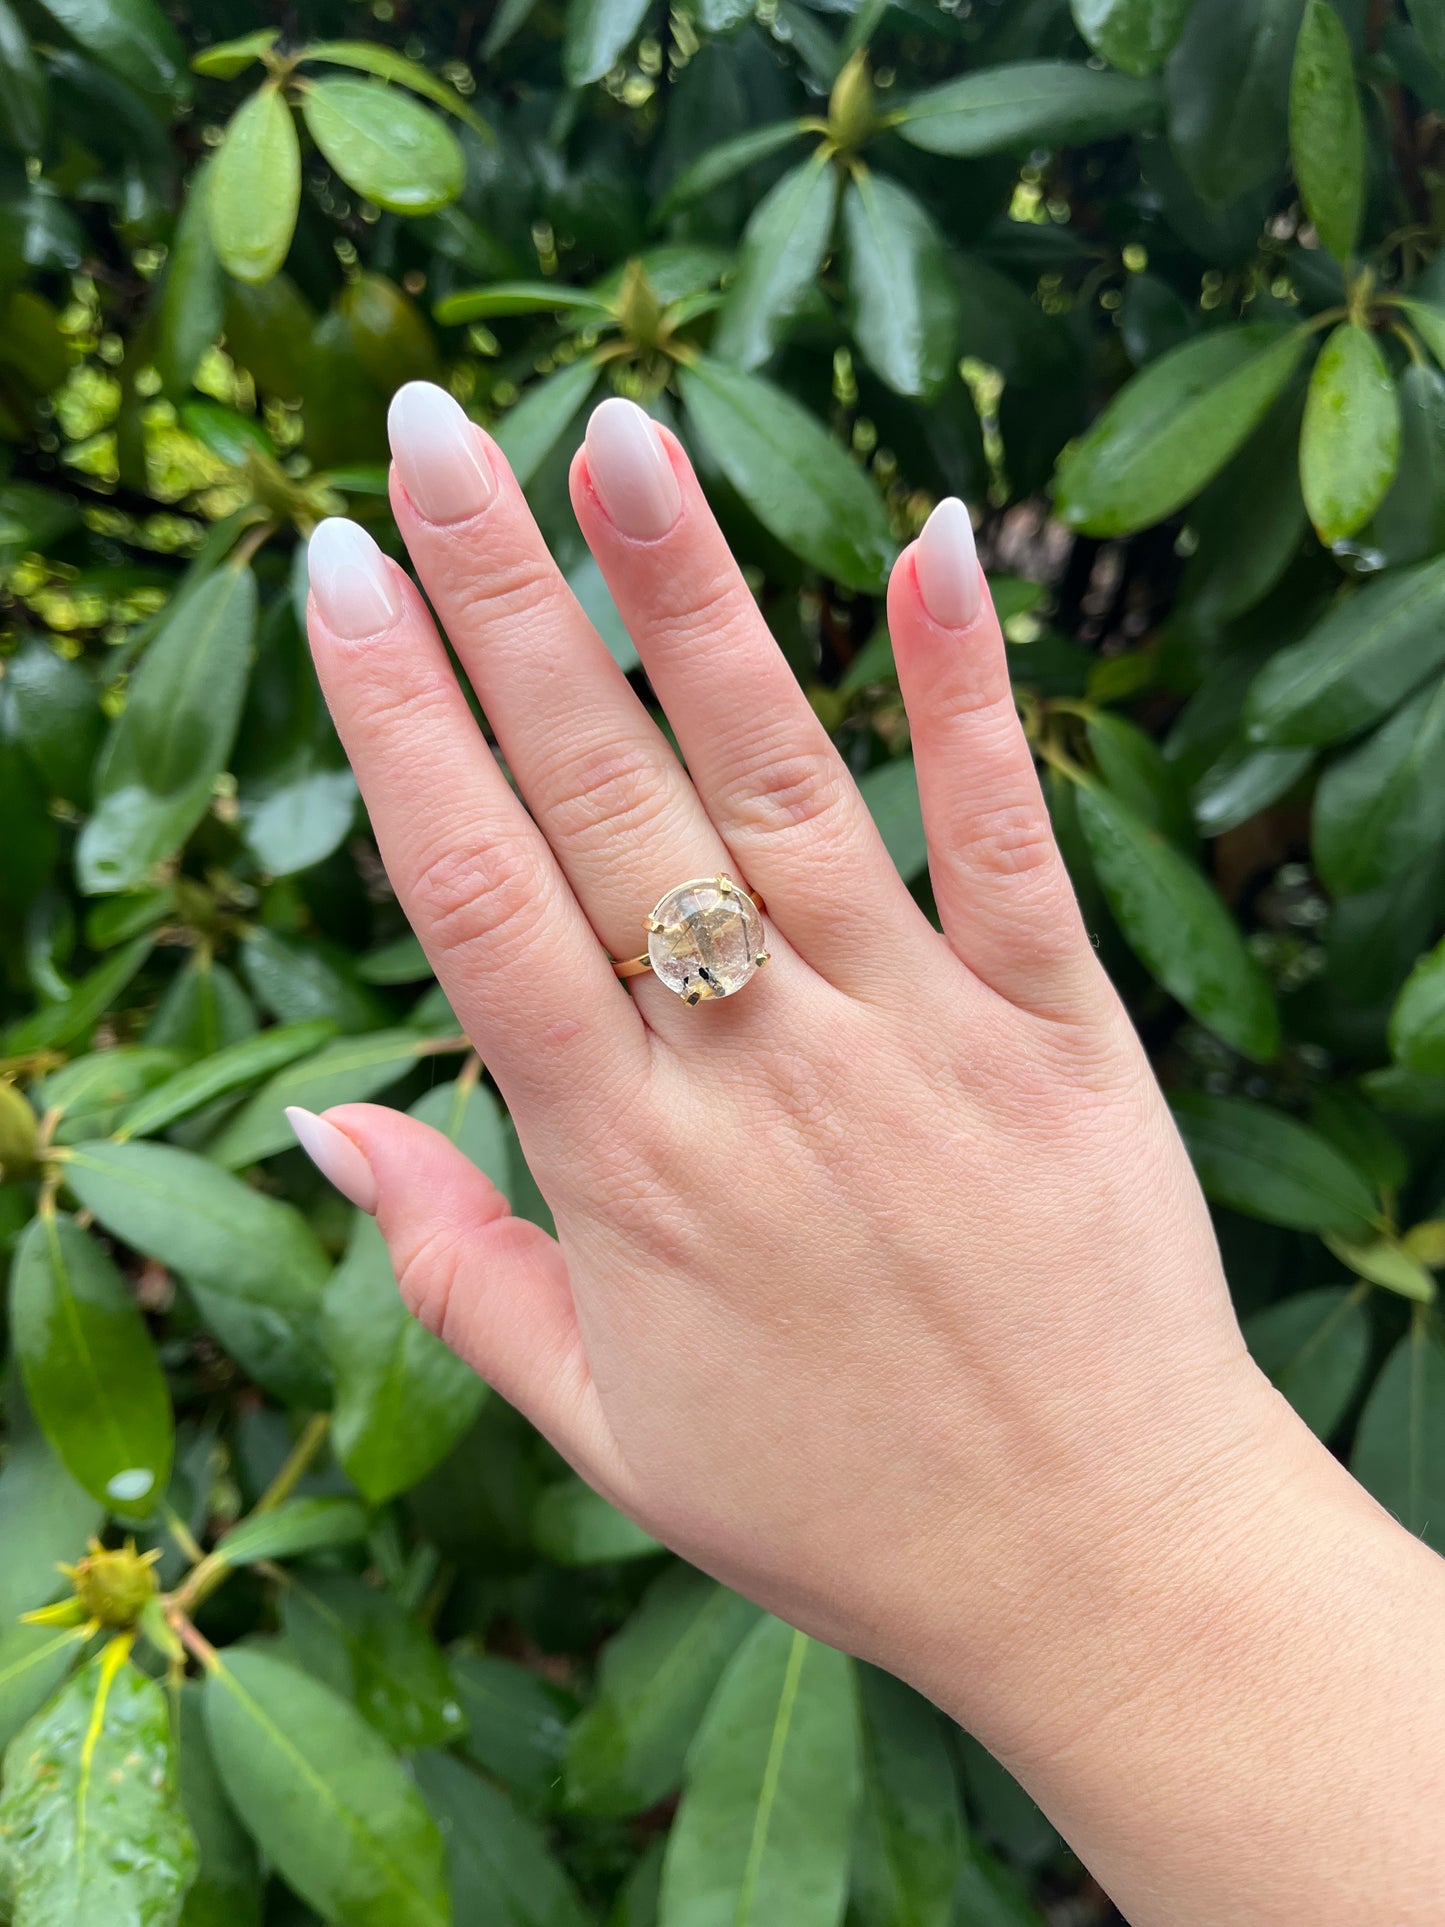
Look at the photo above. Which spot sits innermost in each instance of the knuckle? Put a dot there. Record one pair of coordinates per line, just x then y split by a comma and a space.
397, 709
488, 901
799, 792
695, 609
1011, 839
605, 788
517, 584
428, 1272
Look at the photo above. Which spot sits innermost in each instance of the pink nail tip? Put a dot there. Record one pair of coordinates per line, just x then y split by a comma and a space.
630, 470
337, 1157
946, 563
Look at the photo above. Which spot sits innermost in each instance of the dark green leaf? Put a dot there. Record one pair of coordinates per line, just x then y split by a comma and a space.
360, 1641
891, 792
1175, 922
991, 1894
597, 35
782, 251
501, 1871
1271, 1166
91, 1373
1410, 523
255, 187
57, 1024
1350, 442
45, 1517
23, 95
33, 1661
381, 143
1139, 774
1327, 129
516, 1724
577, 1527
909, 1849
1173, 427
346, 1071
1417, 1023
324, 1796
1228, 88
288, 1530
528, 432
193, 297
203, 1010
154, 780
720, 164
1354, 666
1351, 1123
794, 477
1399, 1450
627, 1750
402, 1399
1044, 102
902, 306
371, 57
1133, 35
231, 1068
1314, 1348
91, 1821
59, 719
764, 1830
227, 1889
1381, 807
1427, 17
131, 37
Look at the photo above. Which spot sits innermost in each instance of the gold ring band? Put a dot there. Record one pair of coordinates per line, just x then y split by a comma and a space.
702, 940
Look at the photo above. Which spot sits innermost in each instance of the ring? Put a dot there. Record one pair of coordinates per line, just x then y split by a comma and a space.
704, 939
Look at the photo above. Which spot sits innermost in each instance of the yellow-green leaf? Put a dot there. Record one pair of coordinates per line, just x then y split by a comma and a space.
1350, 442
255, 187
384, 145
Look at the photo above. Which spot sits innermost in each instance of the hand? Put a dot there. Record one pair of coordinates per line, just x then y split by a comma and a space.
883, 1289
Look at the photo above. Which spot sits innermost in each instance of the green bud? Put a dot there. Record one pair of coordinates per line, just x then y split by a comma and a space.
639, 312
113, 1587
852, 107
19, 1136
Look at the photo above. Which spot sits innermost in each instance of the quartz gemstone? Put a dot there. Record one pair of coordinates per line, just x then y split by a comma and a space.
705, 939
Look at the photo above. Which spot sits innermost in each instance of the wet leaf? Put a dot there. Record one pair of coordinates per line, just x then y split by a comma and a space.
380, 142
1350, 442
1269, 1165
255, 187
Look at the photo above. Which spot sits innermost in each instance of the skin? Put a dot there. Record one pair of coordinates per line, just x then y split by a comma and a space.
884, 1290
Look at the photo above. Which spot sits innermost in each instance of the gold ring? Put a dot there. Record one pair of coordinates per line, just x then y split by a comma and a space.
704, 939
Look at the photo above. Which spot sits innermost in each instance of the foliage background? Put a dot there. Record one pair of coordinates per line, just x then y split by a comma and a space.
1154, 285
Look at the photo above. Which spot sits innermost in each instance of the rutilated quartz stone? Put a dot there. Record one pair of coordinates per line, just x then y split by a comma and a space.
705, 939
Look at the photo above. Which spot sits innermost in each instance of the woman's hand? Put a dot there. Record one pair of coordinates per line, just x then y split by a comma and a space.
882, 1290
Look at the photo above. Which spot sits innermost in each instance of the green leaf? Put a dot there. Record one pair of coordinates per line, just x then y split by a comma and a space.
1430, 321
577, 1527
193, 297
520, 297
891, 792
24, 97
203, 1010
231, 1068
156, 773
370, 57
1327, 129
1228, 87
596, 36
530, 430
227, 58
402, 1399
60, 722
253, 1263
1381, 806
227, 1889
764, 1830
361, 1642
346, 1071
1410, 523
90, 1092
45, 1517
1417, 1023
723, 163
1174, 920
627, 1750
1031, 103
1133, 35
91, 1373
1427, 17
1173, 427
255, 187
909, 1849
902, 305
501, 1870
1314, 1348
297, 979
382, 144
793, 476
131, 37
1141, 776
782, 251
55, 1025
90, 1820
1350, 442
1355, 665
1384, 1261
33, 1661
516, 1724
288, 1530
324, 1796
1399, 1450
991, 1894
1269, 1165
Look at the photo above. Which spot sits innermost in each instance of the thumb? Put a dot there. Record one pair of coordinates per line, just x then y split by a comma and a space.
492, 1287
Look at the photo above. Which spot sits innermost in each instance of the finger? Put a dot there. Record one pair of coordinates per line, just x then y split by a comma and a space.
764, 766
482, 891
492, 1287
1003, 894
599, 777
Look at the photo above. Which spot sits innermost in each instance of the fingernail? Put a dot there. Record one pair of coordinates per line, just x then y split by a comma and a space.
350, 580
630, 470
442, 459
946, 563
336, 1156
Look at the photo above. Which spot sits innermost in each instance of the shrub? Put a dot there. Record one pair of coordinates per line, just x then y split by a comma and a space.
296, 1621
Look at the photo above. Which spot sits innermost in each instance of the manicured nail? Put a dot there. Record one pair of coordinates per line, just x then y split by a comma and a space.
630, 470
946, 563
336, 1156
350, 580
442, 459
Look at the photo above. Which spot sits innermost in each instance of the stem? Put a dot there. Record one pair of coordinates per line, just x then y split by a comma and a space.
313, 1437
183, 1536
248, 545
1412, 346
195, 1643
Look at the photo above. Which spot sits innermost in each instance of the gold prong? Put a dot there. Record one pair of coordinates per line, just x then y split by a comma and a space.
763, 956
725, 886
650, 924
